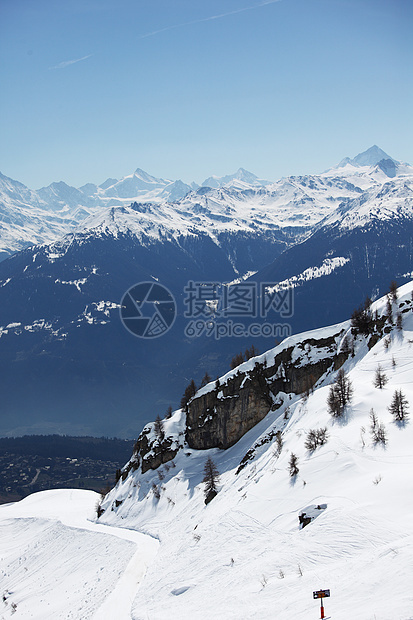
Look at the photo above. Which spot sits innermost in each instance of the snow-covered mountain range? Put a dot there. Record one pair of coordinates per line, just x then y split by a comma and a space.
270, 537
331, 238
29, 217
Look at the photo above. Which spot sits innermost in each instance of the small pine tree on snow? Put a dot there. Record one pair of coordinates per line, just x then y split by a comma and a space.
373, 422
190, 391
293, 465
340, 394
377, 430
278, 444
210, 480
389, 309
399, 321
393, 290
380, 435
237, 360
399, 406
361, 319
205, 380
159, 429
169, 412
380, 378
315, 438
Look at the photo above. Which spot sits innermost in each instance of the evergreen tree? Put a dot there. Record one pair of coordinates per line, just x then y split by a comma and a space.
377, 430
380, 378
206, 380
210, 480
399, 407
293, 465
315, 438
361, 319
251, 352
237, 360
169, 412
278, 444
159, 429
340, 395
393, 290
189, 393
389, 309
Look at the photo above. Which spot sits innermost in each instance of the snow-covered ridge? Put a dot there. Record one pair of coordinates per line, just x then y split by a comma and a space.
288, 204
328, 266
391, 201
233, 202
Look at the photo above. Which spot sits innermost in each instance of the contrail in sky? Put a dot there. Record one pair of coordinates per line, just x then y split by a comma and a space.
208, 19
67, 63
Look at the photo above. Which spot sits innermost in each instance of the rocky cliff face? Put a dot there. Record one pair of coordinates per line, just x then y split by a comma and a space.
153, 448
219, 416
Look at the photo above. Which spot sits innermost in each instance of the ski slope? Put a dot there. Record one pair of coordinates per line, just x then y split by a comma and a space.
56, 562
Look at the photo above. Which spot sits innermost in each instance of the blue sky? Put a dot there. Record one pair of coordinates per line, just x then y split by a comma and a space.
186, 89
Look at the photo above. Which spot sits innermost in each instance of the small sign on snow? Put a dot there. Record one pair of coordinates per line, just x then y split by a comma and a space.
321, 593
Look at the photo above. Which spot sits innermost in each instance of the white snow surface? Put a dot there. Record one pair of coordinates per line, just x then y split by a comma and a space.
56, 562
244, 555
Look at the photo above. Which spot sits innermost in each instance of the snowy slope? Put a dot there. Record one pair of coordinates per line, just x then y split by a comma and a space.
391, 201
56, 563
26, 219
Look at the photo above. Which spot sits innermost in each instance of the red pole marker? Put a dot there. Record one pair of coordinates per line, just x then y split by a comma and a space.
321, 594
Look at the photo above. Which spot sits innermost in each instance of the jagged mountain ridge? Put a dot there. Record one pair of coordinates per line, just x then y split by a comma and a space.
28, 217
358, 249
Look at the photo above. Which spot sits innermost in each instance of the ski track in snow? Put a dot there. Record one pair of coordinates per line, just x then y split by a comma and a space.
56, 563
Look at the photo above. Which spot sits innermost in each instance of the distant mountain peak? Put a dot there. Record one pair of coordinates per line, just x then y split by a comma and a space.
144, 176
240, 175
371, 157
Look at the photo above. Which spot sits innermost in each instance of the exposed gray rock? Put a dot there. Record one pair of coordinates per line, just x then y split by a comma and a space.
154, 452
220, 417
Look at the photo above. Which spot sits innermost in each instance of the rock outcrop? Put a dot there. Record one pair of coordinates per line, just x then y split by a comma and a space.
220, 416
152, 451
